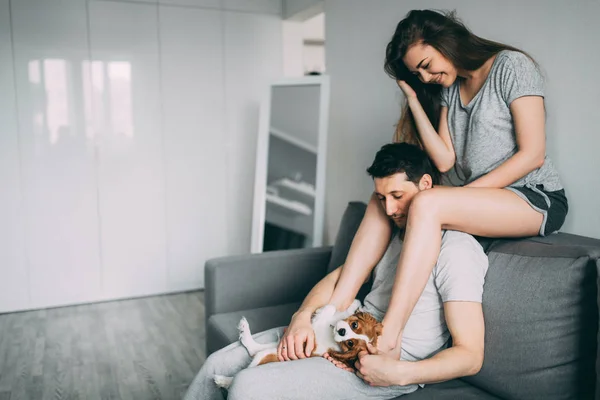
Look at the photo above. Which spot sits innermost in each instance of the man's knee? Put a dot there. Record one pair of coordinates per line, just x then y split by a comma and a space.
211, 365
247, 386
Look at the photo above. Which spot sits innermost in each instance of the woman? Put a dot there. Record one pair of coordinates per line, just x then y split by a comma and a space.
475, 105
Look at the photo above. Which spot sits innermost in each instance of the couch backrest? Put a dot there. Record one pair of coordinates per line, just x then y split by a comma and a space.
351, 219
541, 317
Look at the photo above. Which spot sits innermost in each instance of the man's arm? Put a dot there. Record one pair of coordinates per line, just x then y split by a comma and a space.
464, 358
298, 341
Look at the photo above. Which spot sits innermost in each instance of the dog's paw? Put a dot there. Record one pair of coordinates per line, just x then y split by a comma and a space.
324, 313
223, 381
243, 326
354, 306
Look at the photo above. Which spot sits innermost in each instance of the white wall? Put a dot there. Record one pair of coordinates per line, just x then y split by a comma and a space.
127, 142
365, 103
301, 9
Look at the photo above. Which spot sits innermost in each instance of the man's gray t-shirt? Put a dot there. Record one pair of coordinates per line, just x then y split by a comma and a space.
457, 276
483, 132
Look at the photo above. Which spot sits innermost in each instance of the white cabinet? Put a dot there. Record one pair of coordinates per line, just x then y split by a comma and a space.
58, 165
128, 143
195, 140
131, 179
14, 289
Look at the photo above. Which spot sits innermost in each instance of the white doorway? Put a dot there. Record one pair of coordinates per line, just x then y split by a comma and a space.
304, 46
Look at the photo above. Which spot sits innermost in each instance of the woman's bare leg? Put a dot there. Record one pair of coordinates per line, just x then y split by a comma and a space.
478, 211
369, 245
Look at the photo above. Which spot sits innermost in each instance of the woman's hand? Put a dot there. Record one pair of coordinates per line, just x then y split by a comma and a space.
298, 340
377, 368
407, 90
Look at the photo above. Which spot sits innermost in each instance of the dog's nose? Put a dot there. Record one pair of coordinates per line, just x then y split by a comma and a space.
341, 332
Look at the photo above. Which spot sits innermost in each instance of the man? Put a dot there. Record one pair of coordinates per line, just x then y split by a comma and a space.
449, 306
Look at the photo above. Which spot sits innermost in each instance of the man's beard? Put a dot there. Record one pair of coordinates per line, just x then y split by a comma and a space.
401, 229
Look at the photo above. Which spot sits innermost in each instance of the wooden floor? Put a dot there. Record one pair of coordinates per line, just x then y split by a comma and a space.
149, 348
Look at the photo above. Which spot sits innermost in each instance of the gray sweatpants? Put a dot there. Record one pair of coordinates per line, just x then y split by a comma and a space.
311, 378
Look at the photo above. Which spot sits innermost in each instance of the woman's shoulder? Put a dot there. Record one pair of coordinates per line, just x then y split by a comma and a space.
513, 59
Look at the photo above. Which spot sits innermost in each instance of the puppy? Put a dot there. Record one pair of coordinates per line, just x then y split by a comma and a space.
324, 322
353, 334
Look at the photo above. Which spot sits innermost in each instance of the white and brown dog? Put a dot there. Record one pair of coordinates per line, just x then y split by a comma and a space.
352, 334
340, 334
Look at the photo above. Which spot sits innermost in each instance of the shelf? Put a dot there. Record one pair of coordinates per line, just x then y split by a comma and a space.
298, 187
292, 140
289, 205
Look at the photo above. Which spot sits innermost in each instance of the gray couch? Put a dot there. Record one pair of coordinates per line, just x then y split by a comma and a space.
540, 304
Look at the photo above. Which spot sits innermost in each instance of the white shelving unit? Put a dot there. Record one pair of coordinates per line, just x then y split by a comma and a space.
290, 171
295, 207
291, 139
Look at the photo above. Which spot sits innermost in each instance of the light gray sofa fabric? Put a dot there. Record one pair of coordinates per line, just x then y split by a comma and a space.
222, 328
261, 280
541, 319
456, 389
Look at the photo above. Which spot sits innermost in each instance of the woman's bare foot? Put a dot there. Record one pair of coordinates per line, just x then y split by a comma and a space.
337, 363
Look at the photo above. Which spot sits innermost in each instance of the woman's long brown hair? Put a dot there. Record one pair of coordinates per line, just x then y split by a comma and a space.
445, 33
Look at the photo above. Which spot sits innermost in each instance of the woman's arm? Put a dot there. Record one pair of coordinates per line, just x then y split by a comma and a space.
438, 145
529, 119
368, 246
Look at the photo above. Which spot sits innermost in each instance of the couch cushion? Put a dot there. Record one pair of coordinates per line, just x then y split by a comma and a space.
541, 320
350, 222
451, 390
222, 328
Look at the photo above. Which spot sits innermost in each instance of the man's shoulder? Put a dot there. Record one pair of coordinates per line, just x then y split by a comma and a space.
457, 238
461, 248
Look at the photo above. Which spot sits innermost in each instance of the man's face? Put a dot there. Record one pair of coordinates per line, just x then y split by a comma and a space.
395, 193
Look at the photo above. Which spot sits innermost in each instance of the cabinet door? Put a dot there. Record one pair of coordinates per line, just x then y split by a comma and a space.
14, 290
195, 142
57, 157
252, 61
126, 102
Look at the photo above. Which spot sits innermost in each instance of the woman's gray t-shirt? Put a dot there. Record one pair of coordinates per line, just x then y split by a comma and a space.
483, 133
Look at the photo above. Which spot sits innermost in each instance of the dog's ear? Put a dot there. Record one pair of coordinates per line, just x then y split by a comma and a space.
378, 329
360, 346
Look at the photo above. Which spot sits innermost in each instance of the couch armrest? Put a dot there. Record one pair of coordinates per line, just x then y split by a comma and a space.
261, 280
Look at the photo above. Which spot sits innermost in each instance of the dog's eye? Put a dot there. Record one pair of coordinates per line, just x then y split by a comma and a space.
350, 343
354, 325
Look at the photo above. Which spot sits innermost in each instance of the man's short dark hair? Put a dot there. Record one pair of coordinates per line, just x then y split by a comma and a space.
394, 158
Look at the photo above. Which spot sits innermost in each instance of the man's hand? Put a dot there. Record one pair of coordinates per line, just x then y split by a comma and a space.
298, 340
378, 369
